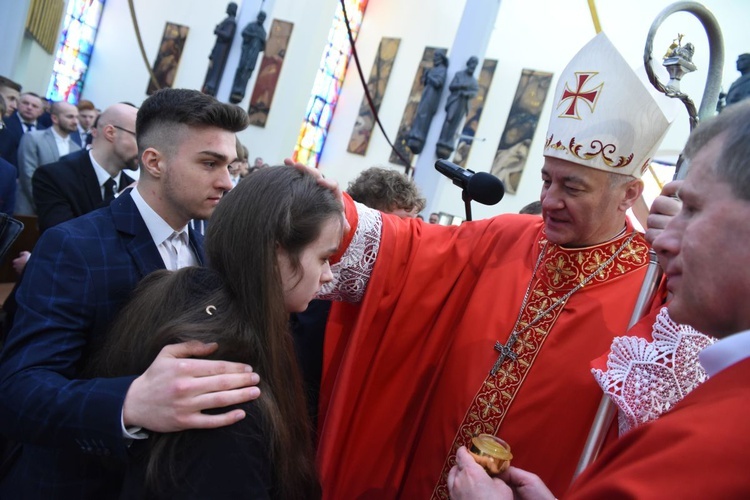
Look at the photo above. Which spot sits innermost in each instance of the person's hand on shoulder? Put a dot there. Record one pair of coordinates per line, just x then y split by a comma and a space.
171, 395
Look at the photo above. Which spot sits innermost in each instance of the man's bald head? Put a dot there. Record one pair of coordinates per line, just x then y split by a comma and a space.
118, 115
114, 145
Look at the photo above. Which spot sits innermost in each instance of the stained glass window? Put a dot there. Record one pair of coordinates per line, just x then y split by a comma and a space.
328, 82
74, 50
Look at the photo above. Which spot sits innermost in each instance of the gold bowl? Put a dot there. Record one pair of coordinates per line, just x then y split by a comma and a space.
491, 452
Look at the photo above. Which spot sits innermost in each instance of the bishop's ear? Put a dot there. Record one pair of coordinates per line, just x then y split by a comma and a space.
632, 191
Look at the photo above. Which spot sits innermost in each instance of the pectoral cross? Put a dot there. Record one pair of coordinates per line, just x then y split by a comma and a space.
506, 351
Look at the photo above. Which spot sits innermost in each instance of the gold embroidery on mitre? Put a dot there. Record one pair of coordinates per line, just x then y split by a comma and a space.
598, 148
558, 145
562, 270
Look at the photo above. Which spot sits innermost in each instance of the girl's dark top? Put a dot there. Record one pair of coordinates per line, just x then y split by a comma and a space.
228, 462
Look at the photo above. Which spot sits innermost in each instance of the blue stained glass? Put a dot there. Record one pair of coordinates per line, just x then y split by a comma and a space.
327, 85
74, 49
326, 115
318, 105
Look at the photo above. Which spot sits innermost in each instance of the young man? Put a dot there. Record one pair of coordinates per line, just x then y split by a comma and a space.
491, 326
10, 91
87, 114
23, 120
702, 446
40, 147
80, 274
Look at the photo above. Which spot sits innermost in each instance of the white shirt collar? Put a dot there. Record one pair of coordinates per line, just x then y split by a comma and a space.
23, 123
157, 226
102, 175
58, 137
725, 353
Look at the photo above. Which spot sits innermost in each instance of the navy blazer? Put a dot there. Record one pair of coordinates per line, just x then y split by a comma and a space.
68, 189
80, 274
8, 176
10, 138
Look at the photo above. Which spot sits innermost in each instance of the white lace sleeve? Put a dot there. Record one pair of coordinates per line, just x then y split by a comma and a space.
645, 379
352, 273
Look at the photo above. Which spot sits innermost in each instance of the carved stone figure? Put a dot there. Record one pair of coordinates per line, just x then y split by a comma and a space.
433, 80
218, 59
253, 43
740, 89
463, 88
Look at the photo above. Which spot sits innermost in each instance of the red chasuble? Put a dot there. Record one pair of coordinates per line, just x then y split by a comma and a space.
700, 449
407, 372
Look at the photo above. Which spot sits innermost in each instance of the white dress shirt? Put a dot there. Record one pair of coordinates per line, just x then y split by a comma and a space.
725, 353
161, 232
63, 144
103, 176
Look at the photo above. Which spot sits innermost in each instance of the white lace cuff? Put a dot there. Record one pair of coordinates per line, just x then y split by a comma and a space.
645, 379
352, 273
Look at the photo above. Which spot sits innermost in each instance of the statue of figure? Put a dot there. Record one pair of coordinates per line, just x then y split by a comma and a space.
463, 88
433, 80
218, 59
253, 43
740, 89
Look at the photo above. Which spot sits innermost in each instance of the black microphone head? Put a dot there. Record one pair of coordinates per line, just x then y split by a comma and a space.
485, 188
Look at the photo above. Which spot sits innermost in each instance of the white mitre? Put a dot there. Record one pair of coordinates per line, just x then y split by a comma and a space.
603, 115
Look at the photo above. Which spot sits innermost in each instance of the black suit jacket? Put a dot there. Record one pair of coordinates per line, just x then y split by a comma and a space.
68, 189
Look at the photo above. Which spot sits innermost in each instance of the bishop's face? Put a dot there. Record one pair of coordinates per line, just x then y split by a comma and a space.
580, 206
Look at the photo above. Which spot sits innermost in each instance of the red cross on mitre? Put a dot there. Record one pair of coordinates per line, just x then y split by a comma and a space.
587, 96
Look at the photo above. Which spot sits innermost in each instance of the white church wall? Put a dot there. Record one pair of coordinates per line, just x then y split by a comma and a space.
535, 34
312, 21
417, 27
555, 34
118, 73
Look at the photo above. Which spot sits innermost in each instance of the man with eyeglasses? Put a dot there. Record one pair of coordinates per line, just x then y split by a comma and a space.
89, 179
82, 181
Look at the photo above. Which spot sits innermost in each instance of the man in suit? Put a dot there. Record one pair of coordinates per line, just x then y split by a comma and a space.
40, 147
88, 179
701, 447
80, 274
87, 114
23, 120
11, 92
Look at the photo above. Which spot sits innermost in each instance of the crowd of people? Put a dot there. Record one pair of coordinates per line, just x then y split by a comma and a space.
195, 335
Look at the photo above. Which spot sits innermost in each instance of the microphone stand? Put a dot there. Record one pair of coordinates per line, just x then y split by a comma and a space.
467, 203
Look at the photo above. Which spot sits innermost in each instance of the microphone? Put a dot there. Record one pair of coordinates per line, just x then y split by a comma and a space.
481, 187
